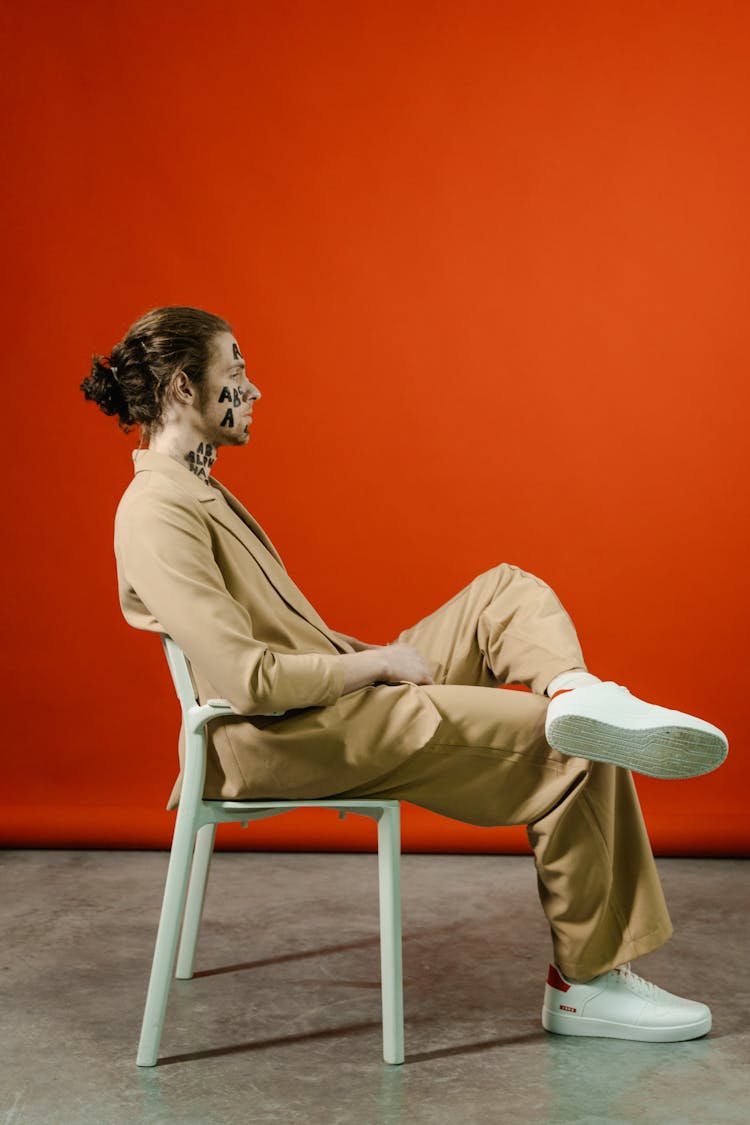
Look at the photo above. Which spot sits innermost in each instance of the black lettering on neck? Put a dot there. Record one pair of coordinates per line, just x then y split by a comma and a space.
199, 461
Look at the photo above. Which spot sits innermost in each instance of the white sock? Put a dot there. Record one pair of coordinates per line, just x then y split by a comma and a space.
567, 680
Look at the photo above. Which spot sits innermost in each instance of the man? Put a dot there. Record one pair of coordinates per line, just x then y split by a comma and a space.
321, 714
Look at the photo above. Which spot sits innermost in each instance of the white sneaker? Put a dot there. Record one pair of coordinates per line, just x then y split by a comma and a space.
605, 723
621, 1005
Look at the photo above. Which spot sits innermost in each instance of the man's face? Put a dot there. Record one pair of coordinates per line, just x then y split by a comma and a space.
226, 396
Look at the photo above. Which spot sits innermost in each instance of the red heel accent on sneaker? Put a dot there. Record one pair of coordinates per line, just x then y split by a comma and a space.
554, 980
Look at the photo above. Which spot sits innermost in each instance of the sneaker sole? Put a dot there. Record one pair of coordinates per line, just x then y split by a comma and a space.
666, 752
560, 1024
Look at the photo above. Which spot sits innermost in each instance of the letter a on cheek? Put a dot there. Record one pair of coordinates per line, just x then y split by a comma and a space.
228, 419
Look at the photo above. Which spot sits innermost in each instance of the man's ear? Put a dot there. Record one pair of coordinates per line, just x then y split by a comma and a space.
181, 389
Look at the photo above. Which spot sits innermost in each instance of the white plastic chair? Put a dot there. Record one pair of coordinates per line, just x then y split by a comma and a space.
192, 846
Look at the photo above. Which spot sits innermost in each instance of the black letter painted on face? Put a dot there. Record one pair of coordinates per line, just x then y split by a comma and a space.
236, 351
228, 419
226, 395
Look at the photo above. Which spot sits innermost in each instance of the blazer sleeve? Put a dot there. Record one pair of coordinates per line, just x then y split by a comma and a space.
165, 556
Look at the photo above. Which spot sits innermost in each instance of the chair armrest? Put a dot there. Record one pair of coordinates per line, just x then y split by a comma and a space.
202, 713
197, 717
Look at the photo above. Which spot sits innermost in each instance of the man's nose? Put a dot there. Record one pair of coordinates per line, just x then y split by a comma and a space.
252, 392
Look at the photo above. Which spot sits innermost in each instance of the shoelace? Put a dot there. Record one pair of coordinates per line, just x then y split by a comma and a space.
637, 984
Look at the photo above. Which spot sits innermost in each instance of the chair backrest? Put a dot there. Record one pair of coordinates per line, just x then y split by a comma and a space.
178, 666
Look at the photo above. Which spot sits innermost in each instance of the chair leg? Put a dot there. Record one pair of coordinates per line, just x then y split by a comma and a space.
166, 942
391, 976
204, 846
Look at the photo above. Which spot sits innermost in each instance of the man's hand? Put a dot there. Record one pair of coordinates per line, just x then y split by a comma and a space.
385, 664
403, 662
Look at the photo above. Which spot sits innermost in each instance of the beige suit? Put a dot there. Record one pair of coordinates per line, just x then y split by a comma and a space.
194, 564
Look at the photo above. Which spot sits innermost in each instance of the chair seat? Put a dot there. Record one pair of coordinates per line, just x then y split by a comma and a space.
302, 803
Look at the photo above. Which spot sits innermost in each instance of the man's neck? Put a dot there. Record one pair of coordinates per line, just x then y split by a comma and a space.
190, 450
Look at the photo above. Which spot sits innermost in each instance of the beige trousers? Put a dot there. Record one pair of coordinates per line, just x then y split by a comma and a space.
489, 763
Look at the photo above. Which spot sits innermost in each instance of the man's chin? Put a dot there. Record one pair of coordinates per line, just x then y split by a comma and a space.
239, 438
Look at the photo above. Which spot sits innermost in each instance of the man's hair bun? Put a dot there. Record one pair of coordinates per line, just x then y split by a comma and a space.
104, 388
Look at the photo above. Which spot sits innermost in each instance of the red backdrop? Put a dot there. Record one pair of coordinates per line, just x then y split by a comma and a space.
489, 263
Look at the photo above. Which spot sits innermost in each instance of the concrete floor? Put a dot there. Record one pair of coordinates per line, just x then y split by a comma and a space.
282, 1024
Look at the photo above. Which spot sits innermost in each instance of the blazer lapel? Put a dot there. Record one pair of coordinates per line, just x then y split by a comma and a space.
245, 517
241, 524
238, 521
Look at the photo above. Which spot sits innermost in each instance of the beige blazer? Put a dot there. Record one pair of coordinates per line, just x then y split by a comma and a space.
193, 563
